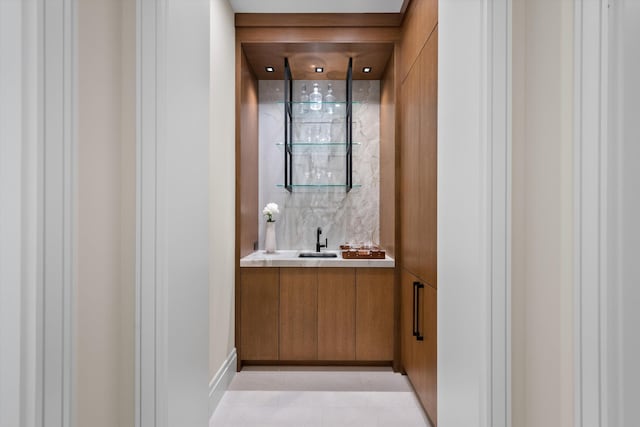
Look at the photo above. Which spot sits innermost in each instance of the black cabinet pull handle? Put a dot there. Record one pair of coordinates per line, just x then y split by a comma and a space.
414, 323
417, 334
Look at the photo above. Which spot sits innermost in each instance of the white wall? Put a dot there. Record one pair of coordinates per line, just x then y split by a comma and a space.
542, 257
106, 213
222, 186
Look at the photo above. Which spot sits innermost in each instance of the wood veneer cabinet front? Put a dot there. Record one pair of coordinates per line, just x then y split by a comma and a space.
317, 314
374, 314
298, 314
260, 295
336, 314
419, 356
418, 213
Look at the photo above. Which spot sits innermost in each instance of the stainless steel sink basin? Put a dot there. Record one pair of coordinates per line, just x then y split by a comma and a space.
317, 255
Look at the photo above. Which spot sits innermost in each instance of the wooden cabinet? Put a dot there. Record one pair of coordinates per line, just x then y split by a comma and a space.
260, 295
419, 159
418, 212
374, 314
428, 158
418, 338
336, 315
298, 314
430, 327
410, 171
317, 314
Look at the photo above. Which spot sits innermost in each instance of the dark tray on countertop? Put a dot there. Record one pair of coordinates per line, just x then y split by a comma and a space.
362, 252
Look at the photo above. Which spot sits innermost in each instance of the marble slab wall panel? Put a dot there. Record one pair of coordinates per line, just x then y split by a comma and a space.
344, 217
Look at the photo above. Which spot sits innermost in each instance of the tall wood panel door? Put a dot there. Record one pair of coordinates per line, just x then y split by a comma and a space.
428, 154
298, 314
410, 170
419, 339
259, 296
407, 310
374, 314
336, 314
430, 394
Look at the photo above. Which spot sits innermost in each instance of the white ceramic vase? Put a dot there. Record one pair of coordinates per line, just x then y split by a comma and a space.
270, 237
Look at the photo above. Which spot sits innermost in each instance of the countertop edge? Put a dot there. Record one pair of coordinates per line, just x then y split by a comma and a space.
290, 259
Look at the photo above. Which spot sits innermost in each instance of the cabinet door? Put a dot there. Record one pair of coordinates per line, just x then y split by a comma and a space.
428, 154
410, 171
374, 314
430, 319
336, 314
298, 314
419, 357
413, 350
259, 295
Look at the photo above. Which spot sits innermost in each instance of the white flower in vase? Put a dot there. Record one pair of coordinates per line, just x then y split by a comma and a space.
270, 211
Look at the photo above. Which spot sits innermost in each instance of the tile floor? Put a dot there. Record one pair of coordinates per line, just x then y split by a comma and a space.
319, 397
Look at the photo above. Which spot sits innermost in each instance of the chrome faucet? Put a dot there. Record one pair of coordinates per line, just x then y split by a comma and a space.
318, 245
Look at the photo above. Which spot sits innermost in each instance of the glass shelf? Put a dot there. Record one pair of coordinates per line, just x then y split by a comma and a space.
317, 144
336, 103
302, 186
341, 110
300, 115
309, 148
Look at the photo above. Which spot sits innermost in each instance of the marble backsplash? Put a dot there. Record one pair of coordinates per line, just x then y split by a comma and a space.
344, 217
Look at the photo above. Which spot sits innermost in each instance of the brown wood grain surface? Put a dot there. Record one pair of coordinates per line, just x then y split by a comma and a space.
428, 154
298, 314
420, 19
318, 19
247, 211
259, 295
410, 215
374, 314
336, 314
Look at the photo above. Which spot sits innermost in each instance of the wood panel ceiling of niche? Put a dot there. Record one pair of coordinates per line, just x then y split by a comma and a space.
305, 57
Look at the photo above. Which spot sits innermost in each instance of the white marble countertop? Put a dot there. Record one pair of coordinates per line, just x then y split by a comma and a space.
289, 258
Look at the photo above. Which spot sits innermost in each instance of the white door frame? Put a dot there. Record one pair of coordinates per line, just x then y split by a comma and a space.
600, 369
41, 216
590, 202
11, 164
499, 135
59, 194
172, 213
474, 213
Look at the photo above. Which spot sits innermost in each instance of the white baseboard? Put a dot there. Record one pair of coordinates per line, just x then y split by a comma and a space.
221, 380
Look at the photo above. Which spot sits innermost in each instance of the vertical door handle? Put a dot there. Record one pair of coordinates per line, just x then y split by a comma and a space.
414, 326
417, 334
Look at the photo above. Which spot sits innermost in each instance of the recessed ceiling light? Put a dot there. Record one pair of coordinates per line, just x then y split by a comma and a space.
366, 69
269, 69
319, 69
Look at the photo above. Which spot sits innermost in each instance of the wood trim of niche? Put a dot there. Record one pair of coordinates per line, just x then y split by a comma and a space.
317, 34
388, 164
318, 19
247, 158
420, 20
246, 162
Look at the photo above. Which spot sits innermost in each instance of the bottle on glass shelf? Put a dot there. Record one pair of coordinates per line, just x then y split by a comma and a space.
303, 107
329, 99
315, 98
